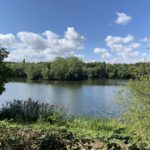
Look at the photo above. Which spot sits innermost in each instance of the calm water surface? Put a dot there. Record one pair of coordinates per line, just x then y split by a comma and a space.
78, 97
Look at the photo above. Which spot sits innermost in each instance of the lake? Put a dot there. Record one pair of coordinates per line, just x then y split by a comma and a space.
86, 98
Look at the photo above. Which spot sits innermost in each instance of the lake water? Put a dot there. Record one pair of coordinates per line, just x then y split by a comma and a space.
78, 97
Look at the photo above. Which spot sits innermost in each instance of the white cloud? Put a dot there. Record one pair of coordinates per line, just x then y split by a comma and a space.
121, 44
29, 40
123, 18
135, 45
42, 47
7, 40
102, 52
117, 39
123, 50
124, 47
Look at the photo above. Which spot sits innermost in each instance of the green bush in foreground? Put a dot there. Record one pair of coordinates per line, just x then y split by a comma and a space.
136, 100
30, 111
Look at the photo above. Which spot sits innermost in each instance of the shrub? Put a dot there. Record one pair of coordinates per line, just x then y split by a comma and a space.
29, 111
136, 100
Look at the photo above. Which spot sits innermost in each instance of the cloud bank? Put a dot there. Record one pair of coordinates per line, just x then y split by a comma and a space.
42, 47
48, 45
122, 50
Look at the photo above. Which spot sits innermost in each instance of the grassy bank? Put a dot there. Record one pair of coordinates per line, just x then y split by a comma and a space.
34, 125
74, 134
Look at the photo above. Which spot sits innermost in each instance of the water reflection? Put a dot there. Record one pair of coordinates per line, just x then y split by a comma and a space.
80, 98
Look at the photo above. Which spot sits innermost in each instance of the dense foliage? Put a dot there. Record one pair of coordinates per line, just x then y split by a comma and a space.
3, 69
30, 111
136, 100
73, 68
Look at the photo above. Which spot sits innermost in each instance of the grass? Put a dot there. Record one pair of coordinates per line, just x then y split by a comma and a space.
21, 134
93, 127
78, 126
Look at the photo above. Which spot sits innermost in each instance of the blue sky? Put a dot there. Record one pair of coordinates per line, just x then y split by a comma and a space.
94, 30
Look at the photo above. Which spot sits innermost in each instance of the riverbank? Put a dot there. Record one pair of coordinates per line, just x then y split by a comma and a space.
33, 125
74, 134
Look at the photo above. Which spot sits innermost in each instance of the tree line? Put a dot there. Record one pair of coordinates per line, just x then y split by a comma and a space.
73, 68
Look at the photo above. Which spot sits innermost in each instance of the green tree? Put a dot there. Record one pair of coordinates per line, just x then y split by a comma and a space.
75, 68
33, 71
3, 69
46, 71
72, 68
111, 71
123, 71
59, 68
95, 70
24, 61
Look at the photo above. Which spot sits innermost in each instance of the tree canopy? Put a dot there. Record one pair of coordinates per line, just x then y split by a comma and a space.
3, 69
73, 68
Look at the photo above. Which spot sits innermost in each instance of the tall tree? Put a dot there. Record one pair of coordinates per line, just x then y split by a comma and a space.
3, 69
75, 68
59, 68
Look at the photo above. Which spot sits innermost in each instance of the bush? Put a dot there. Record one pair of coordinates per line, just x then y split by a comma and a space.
136, 100
29, 111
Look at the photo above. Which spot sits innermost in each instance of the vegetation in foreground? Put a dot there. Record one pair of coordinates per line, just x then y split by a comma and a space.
31, 125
